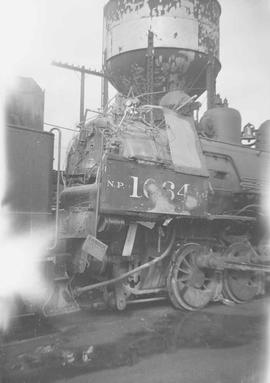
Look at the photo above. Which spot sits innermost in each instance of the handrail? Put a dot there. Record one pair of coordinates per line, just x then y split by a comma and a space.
57, 187
98, 181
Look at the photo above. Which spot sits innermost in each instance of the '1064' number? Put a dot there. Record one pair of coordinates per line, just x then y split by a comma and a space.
169, 186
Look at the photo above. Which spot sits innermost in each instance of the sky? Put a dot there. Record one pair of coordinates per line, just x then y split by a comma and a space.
35, 32
245, 57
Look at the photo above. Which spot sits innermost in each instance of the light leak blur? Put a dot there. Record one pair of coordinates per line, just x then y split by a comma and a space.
21, 275
20, 255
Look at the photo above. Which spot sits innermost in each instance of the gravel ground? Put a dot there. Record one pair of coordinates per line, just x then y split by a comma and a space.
146, 343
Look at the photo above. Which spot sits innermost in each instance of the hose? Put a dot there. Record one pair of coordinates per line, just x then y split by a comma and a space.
246, 208
81, 290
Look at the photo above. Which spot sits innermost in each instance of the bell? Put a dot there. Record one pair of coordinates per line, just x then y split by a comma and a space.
248, 132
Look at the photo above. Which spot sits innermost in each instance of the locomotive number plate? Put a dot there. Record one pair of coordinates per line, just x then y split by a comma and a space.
129, 186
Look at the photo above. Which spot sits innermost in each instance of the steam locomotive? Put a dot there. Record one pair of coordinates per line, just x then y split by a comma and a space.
157, 202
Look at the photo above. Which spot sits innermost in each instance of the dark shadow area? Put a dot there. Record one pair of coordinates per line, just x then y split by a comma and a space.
165, 334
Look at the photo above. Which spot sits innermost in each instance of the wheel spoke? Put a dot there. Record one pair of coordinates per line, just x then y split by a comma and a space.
187, 286
184, 270
192, 259
187, 263
184, 290
239, 286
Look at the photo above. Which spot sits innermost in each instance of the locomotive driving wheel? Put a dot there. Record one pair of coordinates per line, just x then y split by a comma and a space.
240, 286
190, 287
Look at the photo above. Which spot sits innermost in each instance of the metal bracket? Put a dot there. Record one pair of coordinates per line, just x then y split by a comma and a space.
130, 239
